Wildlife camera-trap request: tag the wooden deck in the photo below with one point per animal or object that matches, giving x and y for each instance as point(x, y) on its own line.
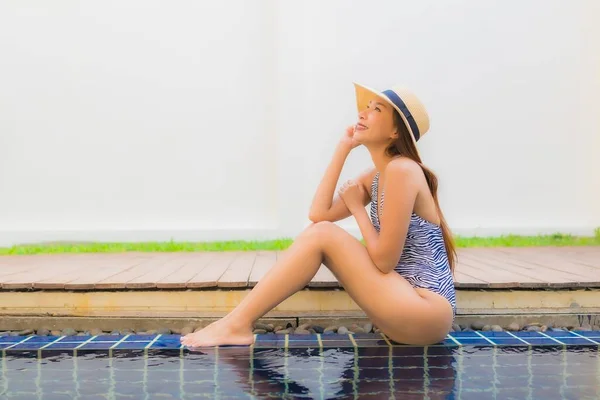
point(484, 268)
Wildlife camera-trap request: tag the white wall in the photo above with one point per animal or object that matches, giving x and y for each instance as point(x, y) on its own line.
point(198, 120)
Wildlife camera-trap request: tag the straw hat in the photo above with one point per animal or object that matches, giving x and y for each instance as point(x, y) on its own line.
point(409, 107)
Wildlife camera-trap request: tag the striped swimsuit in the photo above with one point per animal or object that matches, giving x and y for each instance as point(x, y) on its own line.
point(424, 262)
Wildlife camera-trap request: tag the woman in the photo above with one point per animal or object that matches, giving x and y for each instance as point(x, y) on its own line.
point(402, 278)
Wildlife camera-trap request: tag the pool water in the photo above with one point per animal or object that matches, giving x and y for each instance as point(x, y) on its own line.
point(468, 365)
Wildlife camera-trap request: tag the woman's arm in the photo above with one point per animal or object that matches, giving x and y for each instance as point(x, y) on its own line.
point(401, 187)
point(324, 206)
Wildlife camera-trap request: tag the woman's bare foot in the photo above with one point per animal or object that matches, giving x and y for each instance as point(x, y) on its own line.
point(219, 333)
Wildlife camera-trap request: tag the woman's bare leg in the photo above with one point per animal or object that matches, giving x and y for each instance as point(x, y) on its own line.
point(292, 272)
point(388, 299)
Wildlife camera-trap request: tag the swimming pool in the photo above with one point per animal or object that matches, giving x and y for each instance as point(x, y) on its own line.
point(467, 365)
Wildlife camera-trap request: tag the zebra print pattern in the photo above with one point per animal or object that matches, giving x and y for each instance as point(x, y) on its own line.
point(424, 262)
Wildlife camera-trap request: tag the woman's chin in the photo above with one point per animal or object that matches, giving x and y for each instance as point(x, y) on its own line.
point(360, 137)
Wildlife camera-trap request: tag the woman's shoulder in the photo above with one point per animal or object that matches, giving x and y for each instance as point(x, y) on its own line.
point(404, 167)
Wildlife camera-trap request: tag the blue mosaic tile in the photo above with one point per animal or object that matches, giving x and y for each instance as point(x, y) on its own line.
point(96, 346)
point(268, 338)
point(559, 334)
point(12, 339)
point(131, 345)
point(303, 338)
point(383, 351)
point(407, 351)
point(270, 344)
point(304, 343)
point(510, 341)
point(513, 368)
point(62, 345)
point(465, 335)
point(493, 335)
point(170, 338)
point(449, 342)
point(473, 341)
point(107, 338)
point(332, 341)
point(590, 334)
point(528, 334)
point(442, 350)
point(362, 336)
point(336, 343)
point(335, 336)
point(370, 342)
point(76, 339)
point(29, 345)
point(578, 341)
point(143, 338)
point(42, 339)
point(161, 340)
point(541, 341)
point(165, 345)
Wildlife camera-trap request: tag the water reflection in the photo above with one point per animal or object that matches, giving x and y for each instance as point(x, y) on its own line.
point(368, 372)
point(363, 372)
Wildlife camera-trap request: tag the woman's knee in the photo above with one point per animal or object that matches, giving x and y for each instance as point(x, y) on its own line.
point(319, 230)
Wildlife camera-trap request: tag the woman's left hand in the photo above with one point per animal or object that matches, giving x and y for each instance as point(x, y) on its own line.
point(353, 194)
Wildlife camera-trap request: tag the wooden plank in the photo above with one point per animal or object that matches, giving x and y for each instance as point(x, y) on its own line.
point(552, 266)
point(549, 261)
point(11, 262)
point(150, 262)
point(525, 275)
point(238, 272)
point(477, 268)
point(25, 275)
point(265, 260)
point(166, 267)
point(590, 260)
point(589, 256)
point(486, 273)
point(59, 270)
point(193, 264)
point(466, 281)
point(12, 265)
point(210, 275)
point(109, 266)
point(7, 270)
point(555, 265)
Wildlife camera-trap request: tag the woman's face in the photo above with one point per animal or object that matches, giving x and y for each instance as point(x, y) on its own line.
point(376, 124)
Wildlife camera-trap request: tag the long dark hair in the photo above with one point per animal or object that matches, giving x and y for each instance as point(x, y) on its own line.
point(405, 146)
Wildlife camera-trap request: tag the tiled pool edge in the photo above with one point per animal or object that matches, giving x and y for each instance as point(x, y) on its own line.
point(36, 345)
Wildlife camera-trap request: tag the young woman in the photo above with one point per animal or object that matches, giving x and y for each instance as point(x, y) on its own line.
point(402, 278)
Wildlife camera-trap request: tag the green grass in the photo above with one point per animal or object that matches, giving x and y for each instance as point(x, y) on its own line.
point(461, 242)
point(556, 239)
point(146, 247)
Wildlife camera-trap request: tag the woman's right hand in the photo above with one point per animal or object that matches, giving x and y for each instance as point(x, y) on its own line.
point(348, 140)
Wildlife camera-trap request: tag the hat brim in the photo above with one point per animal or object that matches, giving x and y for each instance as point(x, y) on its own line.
point(365, 94)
